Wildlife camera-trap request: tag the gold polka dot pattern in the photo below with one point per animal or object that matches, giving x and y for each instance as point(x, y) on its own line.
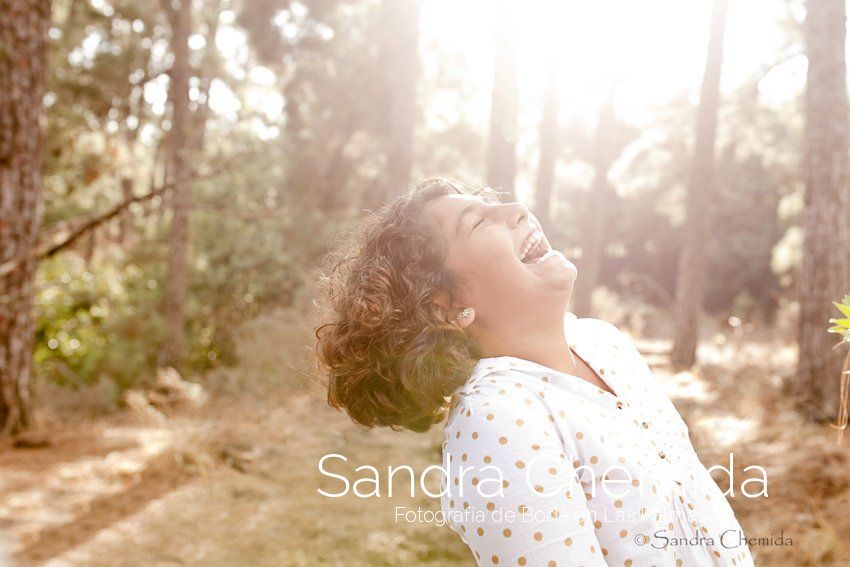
point(533, 441)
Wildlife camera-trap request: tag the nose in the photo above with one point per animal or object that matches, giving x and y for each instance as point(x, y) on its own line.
point(515, 213)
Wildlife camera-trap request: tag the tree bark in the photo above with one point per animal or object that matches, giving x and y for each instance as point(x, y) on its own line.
point(401, 56)
point(693, 256)
point(208, 70)
point(180, 17)
point(548, 146)
point(501, 155)
point(825, 273)
point(23, 77)
point(126, 219)
point(593, 230)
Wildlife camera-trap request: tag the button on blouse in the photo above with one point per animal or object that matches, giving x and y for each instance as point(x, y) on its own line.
point(545, 468)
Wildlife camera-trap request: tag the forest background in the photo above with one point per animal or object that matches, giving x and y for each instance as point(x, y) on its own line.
point(173, 172)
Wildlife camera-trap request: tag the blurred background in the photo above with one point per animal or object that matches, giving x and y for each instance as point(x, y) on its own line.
point(173, 172)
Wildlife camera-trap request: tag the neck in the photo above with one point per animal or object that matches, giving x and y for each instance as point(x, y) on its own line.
point(545, 342)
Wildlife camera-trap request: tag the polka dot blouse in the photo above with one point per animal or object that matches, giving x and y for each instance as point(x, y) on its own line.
point(545, 468)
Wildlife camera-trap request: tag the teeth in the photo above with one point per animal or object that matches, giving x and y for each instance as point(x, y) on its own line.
point(548, 254)
point(533, 240)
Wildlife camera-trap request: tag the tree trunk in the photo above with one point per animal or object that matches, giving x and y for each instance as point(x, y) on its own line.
point(180, 16)
point(594, 218)
point(501, 159)
point(401, 57)
point(126, 219)
point(209, 67)
point(548, 147)
point(23, 76)
point(825, 274)
point(692, 258)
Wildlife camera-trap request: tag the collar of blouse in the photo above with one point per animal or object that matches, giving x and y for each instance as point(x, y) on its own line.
point(600, 352)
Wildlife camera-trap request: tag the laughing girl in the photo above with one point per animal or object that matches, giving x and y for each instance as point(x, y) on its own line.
point(558, 437)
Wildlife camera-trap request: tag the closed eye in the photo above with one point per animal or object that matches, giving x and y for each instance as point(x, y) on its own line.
point(476, 224)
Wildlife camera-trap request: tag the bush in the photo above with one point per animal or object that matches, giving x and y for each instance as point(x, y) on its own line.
point(102, 319)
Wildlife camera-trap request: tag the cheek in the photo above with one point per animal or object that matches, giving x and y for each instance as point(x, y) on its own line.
point(492, 270)
point(484, 263)
point(492, 252)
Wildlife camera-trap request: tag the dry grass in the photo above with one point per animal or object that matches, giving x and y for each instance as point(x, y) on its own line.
point(234, 482)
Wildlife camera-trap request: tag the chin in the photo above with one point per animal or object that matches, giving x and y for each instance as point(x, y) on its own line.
point(562, 273)
point(561, 284)
point(572, 269)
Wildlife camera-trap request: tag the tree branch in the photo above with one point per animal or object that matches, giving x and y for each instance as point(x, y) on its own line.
point(92, 223)
point(48, 249)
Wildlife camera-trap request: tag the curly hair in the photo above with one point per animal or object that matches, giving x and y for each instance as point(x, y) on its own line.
point(389, 356)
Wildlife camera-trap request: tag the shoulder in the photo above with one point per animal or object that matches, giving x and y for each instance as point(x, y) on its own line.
point(594, 326)
point(499, 399)
point(599, 330)
point(508, 390)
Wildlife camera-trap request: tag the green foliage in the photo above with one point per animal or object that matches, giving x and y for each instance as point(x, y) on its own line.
point(755, 168)
point(102, 320)
point(96, 322)
point(243, 262)
point(101, 56)
point(305, 174)
point(841, 325)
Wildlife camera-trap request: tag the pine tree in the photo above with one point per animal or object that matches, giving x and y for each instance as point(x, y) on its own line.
point(501, 156)
point(180, 18)
point(23, 76)
point(693, 256)
point(548, 145)
point(825, 273)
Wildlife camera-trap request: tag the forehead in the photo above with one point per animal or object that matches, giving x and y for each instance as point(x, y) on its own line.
point(444, 210)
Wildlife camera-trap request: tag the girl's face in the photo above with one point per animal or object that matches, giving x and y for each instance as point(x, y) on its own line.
point(510, 273)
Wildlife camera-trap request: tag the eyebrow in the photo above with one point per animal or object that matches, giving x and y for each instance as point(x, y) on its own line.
point(466, 210)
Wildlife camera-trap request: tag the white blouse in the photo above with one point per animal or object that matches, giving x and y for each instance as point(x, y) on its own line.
point(545, 468)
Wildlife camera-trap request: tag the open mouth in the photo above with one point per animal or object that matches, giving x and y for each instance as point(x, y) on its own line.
point(534, 248)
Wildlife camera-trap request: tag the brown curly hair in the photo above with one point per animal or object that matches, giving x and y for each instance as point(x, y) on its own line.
point(389, 356)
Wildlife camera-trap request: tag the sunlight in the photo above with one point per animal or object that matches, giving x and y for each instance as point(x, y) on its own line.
point(649, 52)
point(643, 54)
point(223, 101)
point(72, 486)
point(727, 430)
point(248, 325)
point(688, 386)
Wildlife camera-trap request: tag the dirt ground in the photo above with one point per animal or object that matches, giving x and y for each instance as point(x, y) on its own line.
point(235, 481)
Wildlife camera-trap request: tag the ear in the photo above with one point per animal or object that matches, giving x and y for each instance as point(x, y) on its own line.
point(442, 301)
point(462, 316)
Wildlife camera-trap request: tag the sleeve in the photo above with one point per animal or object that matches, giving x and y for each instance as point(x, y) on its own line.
point(515, 498)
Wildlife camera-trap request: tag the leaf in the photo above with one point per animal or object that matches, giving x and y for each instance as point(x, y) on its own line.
point(841, 322)
point(844, 307)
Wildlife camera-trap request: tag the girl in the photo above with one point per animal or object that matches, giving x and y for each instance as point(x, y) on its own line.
point(560, 446)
